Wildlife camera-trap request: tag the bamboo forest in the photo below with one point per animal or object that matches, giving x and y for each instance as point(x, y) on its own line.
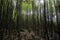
point(29, 19)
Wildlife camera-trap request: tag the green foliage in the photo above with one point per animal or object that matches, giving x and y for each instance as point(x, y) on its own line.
point(25, 5)
point(14, 15)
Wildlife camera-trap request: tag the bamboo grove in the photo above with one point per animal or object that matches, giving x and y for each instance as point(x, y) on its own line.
point(40, 16)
